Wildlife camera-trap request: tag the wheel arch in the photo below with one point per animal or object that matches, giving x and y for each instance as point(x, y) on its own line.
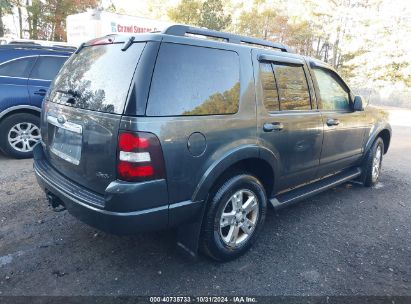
point(247, 159)
point(20, 109)
point(384, 132)
point(385, 135)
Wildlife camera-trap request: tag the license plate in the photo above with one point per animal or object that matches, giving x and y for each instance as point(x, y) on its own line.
point(66, 143)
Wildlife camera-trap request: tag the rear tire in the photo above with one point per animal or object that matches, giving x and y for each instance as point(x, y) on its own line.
point(372, 163)
point(234, 218)
point(19, 133)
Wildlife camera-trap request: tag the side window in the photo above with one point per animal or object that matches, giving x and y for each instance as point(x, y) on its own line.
point(334, 95)
point(190, 80)
point(270, 94)
point(47, 67)
point(292, 87)
point(17, 68)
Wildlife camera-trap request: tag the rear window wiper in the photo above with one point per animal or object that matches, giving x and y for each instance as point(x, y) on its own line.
point(128, 43)
point(73, 95)
point(80, 48)
point(69, 92)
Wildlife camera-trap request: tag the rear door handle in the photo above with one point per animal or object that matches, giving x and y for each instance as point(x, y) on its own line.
point(274, 126)
point(332, 122)
point(40, 92)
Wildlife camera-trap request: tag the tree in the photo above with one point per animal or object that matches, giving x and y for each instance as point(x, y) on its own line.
point(34, 18)
point(19, 4)
point(46, 19)
point(213, 15)
point(57, 12)
point(209, 14)
point(374, 54)
point(271, 22)
point(258, 22)
point(186, 12)
point(5, 9)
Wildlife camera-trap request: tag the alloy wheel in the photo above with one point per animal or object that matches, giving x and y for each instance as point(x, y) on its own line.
point(24, 136)
point(239, 218)
point(376, 163)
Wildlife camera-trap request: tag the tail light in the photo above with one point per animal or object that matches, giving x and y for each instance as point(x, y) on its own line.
point(140, 157)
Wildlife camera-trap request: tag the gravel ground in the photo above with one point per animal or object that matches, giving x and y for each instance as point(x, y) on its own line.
point(349, 240)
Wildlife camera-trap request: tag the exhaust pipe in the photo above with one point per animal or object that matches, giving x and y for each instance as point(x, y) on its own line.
point(56, 203)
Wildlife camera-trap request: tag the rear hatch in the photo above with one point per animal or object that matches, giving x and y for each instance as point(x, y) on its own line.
point(82, 112)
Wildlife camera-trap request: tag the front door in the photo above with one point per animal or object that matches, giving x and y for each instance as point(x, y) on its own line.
point(288, 121)
point(344, 128)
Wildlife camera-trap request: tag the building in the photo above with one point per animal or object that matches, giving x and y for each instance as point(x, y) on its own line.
point(96, 23)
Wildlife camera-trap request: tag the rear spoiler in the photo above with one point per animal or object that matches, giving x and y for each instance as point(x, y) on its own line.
point(108, 39)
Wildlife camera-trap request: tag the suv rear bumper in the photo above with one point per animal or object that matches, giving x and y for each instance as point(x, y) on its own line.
point(91, 208)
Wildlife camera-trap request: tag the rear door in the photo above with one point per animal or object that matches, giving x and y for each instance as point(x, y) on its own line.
point(288, 122)
point(13, 82)
point(344, 128)
point(80, 120)
point(43, 72)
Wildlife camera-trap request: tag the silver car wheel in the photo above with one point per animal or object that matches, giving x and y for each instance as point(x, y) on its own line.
point(239, 218)
point(376, 163)
point(24, 136)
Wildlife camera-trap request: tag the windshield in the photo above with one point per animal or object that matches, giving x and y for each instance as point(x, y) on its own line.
point(98, 78)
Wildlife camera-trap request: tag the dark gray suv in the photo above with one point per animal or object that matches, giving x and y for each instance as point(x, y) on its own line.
point(199, 130)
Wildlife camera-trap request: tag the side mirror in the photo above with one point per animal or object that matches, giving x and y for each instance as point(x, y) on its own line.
point(358, 103)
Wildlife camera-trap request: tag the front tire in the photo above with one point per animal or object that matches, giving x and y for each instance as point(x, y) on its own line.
point(372, 163)
point(19, 133)
point(234, 218)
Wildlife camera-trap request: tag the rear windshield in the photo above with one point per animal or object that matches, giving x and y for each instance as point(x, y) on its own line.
point(99, 77)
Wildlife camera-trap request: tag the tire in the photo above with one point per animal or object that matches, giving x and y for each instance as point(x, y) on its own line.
point(19, 133)
point(215, 242)
point(372, 163)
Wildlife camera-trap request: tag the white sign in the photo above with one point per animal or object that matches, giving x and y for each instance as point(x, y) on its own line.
point(92, 24)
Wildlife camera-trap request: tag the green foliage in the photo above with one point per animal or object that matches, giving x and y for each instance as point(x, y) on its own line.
point(35, 21)
point(187, 12)
point(5, 9)
point(213, 15)
point(46, 19)
point(394, 72)
point(56, 11)
point(272, 24)
point(258, 24)
point(209, 14)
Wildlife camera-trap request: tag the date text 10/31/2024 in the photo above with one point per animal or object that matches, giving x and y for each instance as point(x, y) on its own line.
point(205, 299)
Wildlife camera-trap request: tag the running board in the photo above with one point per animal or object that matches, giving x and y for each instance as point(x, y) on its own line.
point(293, 196)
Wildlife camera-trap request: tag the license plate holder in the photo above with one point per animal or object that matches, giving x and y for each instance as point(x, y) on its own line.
point(67, 141)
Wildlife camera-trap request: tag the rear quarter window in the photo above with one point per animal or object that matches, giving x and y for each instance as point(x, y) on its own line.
point(47, 67)
point(191, 80)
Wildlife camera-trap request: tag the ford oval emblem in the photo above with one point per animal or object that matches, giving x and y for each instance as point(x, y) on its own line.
point(61, 119)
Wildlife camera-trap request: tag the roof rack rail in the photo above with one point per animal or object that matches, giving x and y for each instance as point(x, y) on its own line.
point(183, 30)
point(37, 46)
